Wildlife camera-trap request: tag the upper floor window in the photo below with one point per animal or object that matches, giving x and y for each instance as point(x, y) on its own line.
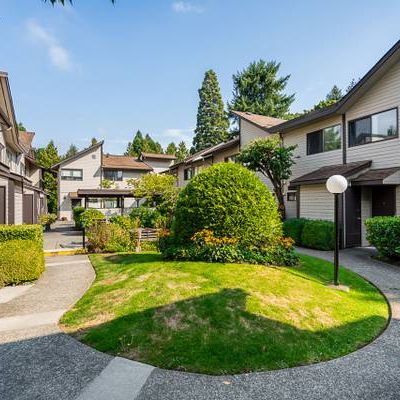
point(188, 174)
point(113, 175)
point(374, 128)
point(326, 139)
point(71, 174)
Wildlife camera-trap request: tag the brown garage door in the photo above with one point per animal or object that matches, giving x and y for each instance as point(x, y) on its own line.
point(2, 205)
point(28, 209)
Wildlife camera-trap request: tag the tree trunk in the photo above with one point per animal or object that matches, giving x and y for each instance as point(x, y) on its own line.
point(278, 193)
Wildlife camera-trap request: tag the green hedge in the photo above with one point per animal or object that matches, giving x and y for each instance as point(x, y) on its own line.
point(21, 253)
point(315, 234)
point(318, 234)
point(384, 234)
point(77, 213)
point(293, 227)
point(23, 232)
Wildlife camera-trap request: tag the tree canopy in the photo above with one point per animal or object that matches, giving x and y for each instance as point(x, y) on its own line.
point(212, 121)
point(71, 151)
point(171, 148)
point(259, 89)
point(142, 143)
point(269, 157)
point(182, 151)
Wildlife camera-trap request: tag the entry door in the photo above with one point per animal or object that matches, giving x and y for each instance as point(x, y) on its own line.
point(2, 205)
point(383, 201)
point(28, 209)
point(353, 216)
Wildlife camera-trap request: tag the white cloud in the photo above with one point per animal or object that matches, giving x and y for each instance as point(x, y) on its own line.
point(177, 135)
point(58, 55)
point(185, 7)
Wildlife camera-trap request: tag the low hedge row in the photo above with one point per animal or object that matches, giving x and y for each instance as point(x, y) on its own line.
point(21, 253)
point(384, 234)
point(315, 234)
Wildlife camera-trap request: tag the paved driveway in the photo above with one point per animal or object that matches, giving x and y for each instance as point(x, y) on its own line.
point(37, 361)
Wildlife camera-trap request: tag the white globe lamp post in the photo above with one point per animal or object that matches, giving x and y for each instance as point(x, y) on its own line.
point(336, 184)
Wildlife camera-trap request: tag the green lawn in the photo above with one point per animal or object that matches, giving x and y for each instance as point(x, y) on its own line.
point(223, 318)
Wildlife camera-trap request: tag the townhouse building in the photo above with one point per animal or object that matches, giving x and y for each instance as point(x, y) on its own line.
point(93, 179)
point(22, 198)
point(358, 137)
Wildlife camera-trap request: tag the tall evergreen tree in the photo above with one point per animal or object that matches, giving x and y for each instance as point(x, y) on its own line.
point(212, 121)
point(71, 151)
point(259, 90)
point(46, 157)
point(93, 141)
point(135, 147)
point(171, 148)
point(182, 151)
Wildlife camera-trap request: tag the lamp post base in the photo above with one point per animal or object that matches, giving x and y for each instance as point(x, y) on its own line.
point(342, 288)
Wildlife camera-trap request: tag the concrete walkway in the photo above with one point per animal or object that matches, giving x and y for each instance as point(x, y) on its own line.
point(63, 235)
point(39, 362)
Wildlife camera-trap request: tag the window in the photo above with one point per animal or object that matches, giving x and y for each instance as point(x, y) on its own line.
point(188, 174)
point(71, 174)
point(326, 139)
point(291, 196)
point(101, 203)
point(113, 175)
point(373, 128)
point(93, 156)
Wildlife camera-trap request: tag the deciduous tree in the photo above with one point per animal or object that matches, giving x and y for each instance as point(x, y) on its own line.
point(272, 159)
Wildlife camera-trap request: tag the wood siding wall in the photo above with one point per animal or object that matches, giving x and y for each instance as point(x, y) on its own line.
point(316, 202)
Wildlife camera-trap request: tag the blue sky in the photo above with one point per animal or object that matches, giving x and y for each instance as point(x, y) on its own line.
point(101, 70)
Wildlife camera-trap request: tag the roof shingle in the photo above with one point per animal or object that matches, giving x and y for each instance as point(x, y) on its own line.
point(124, 162)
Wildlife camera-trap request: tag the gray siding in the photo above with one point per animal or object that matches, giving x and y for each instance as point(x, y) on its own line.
point(316, 202)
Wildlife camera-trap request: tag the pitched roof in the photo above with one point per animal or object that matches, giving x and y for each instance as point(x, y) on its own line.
point(159, 156)
point(375, 73)
point(262, 121)
point(375, 176)
point(113, 161)
point(79, 154)
point(322, 174)
point(25, 140)
point(208, 151)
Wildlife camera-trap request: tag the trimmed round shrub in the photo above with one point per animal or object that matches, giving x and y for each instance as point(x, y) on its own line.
point(21, 260)
point(293, 227)
point(318, 234)
point(384, 234)
point(232, 202)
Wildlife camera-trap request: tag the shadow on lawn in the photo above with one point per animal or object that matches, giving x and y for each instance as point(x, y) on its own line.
point(215, 334)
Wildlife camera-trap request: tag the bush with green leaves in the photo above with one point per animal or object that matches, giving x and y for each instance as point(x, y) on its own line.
point(77, 213)
point(318, 234)
point(90, 216)
point(125, 221)
point(109, 238)
point(231, 201)
point(21, 253)
point(384, 234)
point(149, 217)
point(47, 219)
point(293, 227)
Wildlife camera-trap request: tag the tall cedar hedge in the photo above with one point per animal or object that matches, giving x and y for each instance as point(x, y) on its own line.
point(231, 201)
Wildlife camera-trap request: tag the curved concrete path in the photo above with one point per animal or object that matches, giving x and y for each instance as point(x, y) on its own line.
point(39, 362)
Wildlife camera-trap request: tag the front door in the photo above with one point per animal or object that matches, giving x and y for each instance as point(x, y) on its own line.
point(383, 201)
point(353, 216)
point(2, 205)
point(28, 209)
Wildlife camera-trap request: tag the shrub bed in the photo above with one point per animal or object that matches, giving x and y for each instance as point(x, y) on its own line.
point(21, 253)
point(90, 216)
point(384, 234)
point(318, 234)
point(109, 238)
point(293, 227)
point(315, 234)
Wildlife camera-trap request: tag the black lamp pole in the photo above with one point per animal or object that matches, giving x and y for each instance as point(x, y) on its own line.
point(337, 242)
